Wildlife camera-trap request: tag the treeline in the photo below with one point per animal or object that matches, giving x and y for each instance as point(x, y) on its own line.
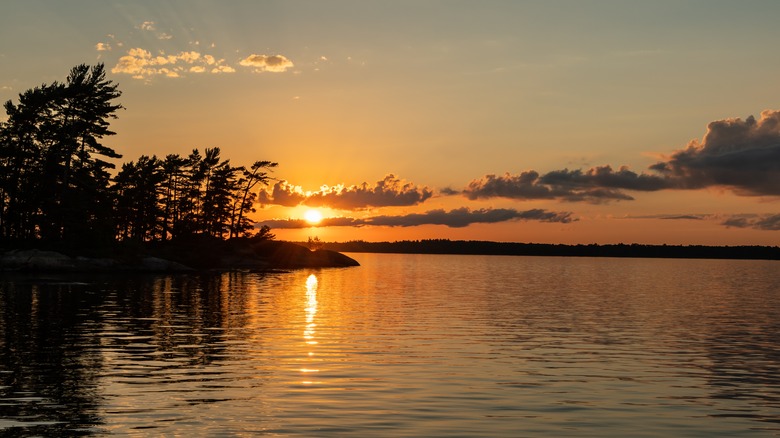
point(56, 183)
point(445, 246)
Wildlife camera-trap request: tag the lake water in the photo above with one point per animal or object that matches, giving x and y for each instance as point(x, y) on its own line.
point(405, 345)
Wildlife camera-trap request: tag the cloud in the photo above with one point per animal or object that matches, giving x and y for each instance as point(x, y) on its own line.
point(463, 217)
point(103, 47)
point(284, 194)
point(758, 222)
point(262, 63)
point(604, 177)
point(141, 64)
point(769, 222)
point(692, 217)
point(223, 69)
point(147, 25)
point(743, 155)
point(457, 218)
point(598, 184)
point(388, 192)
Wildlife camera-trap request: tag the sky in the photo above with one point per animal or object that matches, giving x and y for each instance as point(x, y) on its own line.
point(527, 121)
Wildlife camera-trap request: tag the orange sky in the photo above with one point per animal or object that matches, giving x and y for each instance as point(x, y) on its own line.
point(567, 121)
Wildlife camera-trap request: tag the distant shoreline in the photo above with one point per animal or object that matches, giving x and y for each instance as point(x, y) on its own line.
point(475, 247)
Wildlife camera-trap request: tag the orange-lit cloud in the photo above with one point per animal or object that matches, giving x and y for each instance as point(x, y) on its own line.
point(223, 69)
point(103, 47)
point(457, 218)
point(388, 192)
point(141, 64)
point(262, 63)
point(151, 26)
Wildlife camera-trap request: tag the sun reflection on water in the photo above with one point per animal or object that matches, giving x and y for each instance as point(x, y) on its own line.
point(310, 329)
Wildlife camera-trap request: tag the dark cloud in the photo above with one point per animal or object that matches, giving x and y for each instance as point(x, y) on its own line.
point(597, 184)
point(457, 218)
point(765, 222)
point(697, 217)
point(388, 192)
point(603, 177)
point(449, 191)
point(282, 193)
point(463, 217)
point(743, 155)
point(685, 217)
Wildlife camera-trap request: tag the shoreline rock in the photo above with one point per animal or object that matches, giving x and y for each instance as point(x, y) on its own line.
point(35, 260)
point(192, 257)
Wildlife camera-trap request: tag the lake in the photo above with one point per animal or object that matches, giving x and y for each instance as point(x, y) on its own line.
point(405, 345)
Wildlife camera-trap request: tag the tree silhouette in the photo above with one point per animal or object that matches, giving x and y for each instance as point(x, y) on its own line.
point(52, 151)
point(245, 198)
point(138, 211)
point(174, 194)
point(56, 185)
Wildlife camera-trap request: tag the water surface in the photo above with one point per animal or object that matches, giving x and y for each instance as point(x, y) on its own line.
point(405, 345)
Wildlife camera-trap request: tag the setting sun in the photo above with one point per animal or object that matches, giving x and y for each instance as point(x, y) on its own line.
point(313, 216)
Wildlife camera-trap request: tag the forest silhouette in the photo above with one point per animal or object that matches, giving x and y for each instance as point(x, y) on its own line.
point(57, 189)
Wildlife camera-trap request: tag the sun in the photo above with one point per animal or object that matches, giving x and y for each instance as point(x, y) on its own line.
point(313, 216)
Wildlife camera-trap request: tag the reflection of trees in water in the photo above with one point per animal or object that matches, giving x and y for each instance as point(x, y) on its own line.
point(182, 316)
point(49, 359)
point(57, 341)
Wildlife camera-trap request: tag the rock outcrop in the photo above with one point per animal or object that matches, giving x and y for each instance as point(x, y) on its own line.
point(34, 260)
point(290, 255)
point(201, 254)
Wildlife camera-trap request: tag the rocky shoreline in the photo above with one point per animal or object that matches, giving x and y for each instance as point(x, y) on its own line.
point(264, 256)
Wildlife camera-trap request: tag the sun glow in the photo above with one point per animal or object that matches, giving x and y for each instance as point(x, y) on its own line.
point(313, 216)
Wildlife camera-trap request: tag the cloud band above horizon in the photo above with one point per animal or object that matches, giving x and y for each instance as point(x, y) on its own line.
point(457, 218)
point(390, 191)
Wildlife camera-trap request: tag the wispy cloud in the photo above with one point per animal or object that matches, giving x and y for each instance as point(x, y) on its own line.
point(263, 63)
point(391, 191)
point(457, 218)
point(758, 222)
point(151, 26)
point(103, 47)
point(769, 222)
